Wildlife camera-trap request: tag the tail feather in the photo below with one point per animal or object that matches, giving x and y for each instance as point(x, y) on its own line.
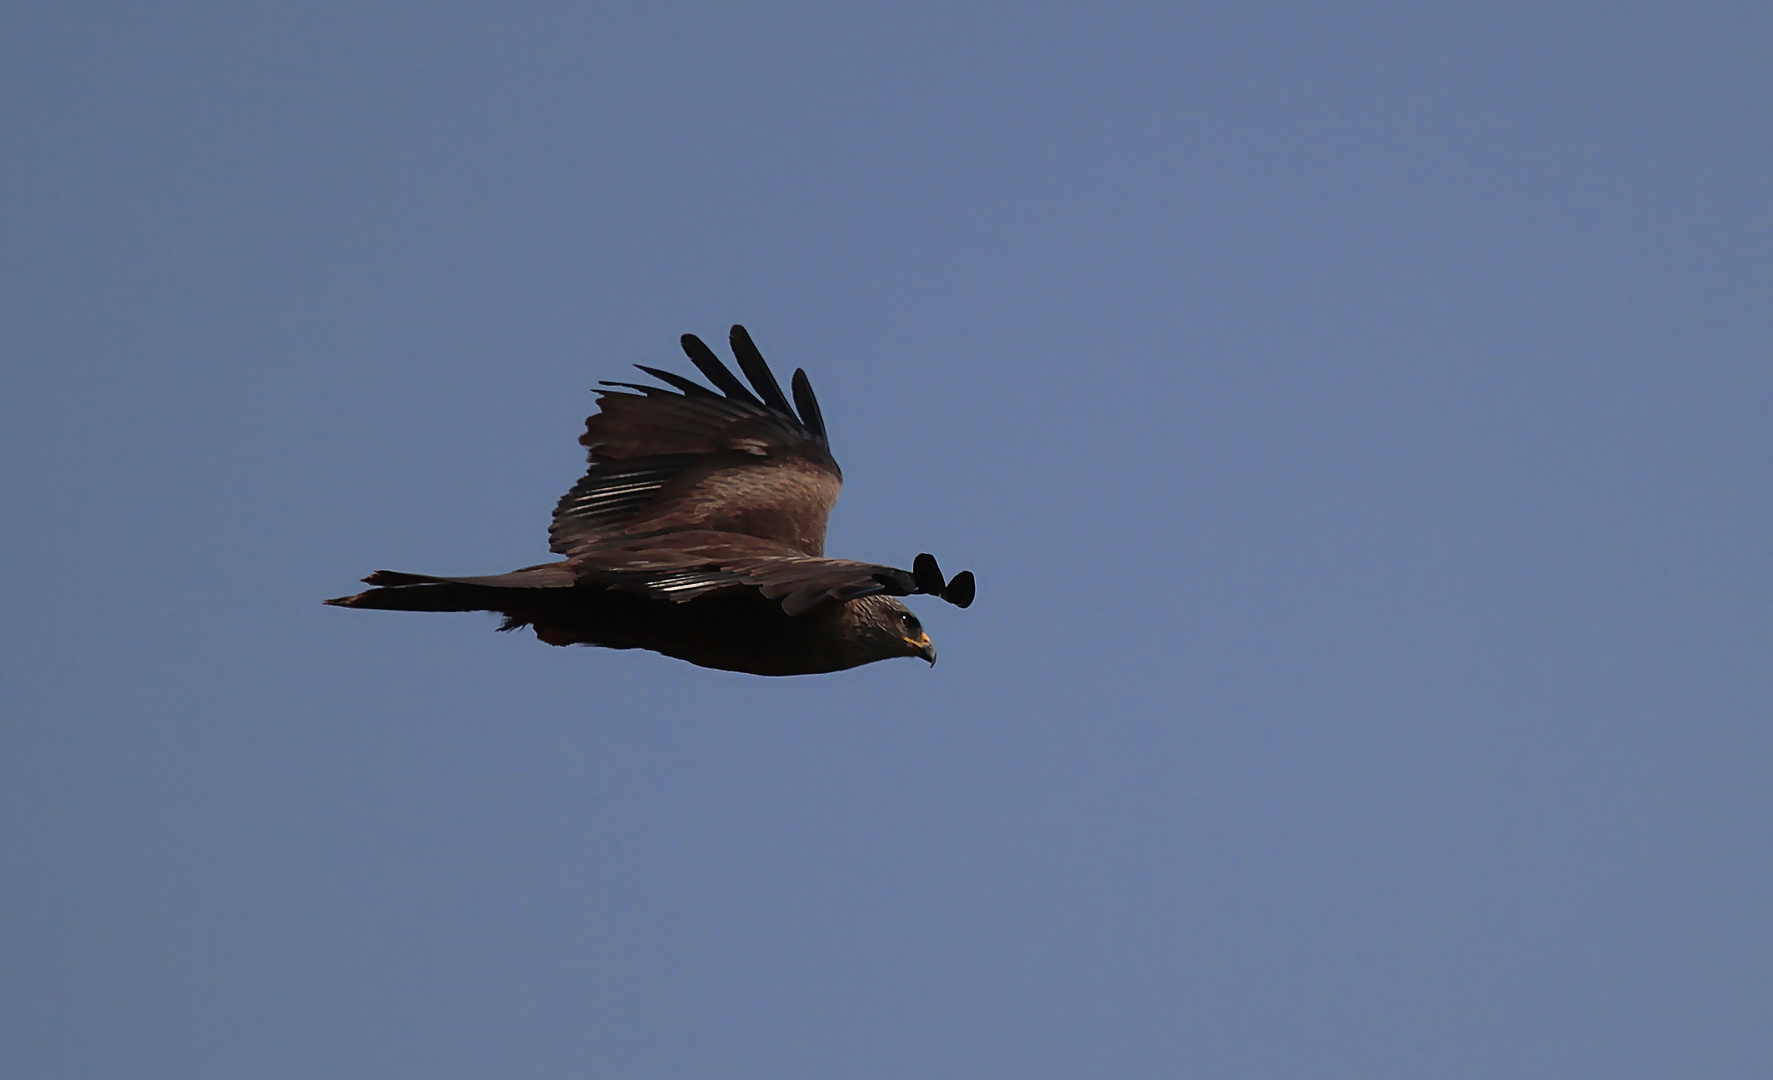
point(397, 591)
point(439, 596)
point(392, 578)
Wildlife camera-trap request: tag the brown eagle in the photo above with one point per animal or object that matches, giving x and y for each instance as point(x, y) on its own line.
point(699, 532)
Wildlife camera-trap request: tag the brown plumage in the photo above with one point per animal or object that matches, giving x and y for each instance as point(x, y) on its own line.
point(699, 532)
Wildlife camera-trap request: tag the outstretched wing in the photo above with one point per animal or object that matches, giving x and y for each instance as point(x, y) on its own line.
point(677, 567)
point(726, 460)
point(682, 566)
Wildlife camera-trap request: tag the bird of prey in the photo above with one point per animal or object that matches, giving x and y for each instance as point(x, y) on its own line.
point(699, 532)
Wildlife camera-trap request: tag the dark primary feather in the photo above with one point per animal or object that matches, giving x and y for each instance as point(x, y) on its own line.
point(751, 363)
point(809, 406)
point(961, 590)
point(927, 574)
point(689, 386)
point(709, 364)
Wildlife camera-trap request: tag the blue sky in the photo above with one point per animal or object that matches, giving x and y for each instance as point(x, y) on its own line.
point(1357, 420)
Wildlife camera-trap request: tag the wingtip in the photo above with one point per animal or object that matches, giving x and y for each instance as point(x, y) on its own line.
point(752, 363)
point(808, 405)
point(927, 574)
point(715, 371)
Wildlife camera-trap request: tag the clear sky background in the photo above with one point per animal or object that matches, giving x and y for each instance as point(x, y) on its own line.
point(1358, 421)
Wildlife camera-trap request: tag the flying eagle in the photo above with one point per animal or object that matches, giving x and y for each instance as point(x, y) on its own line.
point(699, 532)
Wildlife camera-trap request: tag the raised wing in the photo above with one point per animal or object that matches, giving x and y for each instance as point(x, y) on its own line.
point(726, 460)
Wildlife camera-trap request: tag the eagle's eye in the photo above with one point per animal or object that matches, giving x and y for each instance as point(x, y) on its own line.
point(911, 622)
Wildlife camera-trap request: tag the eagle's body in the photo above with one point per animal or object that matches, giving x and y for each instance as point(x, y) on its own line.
point(699, 533)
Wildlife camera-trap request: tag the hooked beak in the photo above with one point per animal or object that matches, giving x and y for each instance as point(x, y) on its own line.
point(924, 646)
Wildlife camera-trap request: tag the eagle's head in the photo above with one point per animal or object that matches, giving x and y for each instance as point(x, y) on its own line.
point(881, 628)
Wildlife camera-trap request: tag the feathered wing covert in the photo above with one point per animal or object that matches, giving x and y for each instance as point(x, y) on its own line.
point(687, 458)
point(694, 497)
